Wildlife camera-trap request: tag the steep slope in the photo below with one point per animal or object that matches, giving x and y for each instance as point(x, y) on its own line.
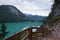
point(55, 13)
point(11, 14)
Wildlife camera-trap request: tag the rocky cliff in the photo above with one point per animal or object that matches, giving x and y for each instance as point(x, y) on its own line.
point(55, 13)
point(50, 30)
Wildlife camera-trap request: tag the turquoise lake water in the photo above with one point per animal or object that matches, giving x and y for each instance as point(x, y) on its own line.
point(14, 28)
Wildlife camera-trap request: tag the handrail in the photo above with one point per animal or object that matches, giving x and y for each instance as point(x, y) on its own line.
point(23, 35)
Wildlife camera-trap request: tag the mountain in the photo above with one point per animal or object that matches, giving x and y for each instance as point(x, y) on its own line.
point(10, 13)
point(35, 17)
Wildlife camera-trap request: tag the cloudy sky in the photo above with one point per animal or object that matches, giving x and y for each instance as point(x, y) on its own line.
point(34, 7)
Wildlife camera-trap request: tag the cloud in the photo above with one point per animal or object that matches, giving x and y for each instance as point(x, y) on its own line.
point(35, 7)
point(7, 2)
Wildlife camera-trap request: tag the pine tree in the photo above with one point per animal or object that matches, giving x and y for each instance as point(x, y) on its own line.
point(3, 31)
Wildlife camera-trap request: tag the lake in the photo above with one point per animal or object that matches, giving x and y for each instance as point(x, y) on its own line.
point(14, 28)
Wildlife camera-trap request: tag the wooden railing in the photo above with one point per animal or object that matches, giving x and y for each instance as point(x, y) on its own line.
point(23, 36)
